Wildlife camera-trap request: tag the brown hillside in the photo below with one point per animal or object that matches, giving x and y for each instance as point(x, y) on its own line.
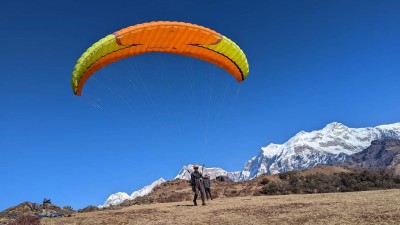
point(180, 190)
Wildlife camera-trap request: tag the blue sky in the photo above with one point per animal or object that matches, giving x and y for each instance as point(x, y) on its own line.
point(311, 63)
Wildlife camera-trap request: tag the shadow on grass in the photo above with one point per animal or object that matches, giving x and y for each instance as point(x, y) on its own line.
point(184, 205)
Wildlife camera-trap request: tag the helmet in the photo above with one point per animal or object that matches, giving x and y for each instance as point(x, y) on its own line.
point(195, 166)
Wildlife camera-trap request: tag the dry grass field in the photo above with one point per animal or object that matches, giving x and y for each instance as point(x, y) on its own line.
point(369, 207)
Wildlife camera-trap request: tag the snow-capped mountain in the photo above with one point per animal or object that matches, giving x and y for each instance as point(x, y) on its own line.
point(119, 197)
point(308, 149)
point(147, 189)
point(115, 199)
point(213, 172)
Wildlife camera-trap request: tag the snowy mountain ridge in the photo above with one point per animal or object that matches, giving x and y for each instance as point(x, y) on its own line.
point(119, 197)
point(308, 149)
point(213, 172)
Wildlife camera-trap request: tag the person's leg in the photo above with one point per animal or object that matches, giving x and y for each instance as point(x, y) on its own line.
point(207, 194)
point(196, 193)
point(202, 193)
point(194, 199)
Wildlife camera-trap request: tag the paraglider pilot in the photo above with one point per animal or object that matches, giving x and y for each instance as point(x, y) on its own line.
point(196, 180)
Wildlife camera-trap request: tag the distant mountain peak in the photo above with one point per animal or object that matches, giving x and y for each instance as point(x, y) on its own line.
point(119, 197)
point(147, 189)
point(335, 124)
point(213, 172)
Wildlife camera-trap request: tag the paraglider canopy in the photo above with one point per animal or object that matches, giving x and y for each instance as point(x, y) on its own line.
point(162, 36)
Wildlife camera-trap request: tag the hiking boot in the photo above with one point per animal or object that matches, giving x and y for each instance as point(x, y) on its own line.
point(195, 203)
point(203, 203)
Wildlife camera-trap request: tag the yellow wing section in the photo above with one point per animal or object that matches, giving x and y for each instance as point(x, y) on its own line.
point(231, 50)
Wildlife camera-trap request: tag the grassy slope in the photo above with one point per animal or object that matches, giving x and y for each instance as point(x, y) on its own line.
point(370, 207)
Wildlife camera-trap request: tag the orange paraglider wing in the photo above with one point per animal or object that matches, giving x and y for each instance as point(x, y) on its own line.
point(170, 37)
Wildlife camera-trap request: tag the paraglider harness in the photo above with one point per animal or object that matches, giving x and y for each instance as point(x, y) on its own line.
point(196, 180)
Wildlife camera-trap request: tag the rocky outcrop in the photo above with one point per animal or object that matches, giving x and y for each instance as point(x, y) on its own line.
point(34, 209)
point(381, 154)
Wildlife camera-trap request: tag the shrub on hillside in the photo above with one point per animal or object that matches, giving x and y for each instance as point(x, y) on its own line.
point(89, 208)
point(69, 208)
point(283, 176)
point(26, 220)
point(283, 187)
point(294, 179)
point(264, 181)
point(270, 189)
point(288, 175)
point(396, 179)
point(359, 180)
point(322, 183)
